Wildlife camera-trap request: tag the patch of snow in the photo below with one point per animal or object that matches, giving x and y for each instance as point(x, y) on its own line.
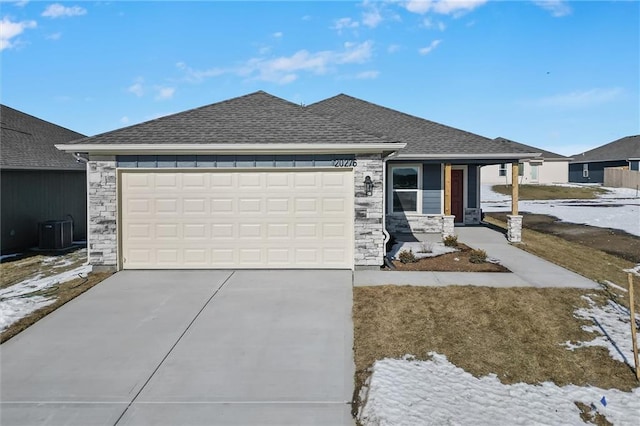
point(19, 300)
point(635, 270)
point(435, 392)
point(616, 286)
point(619, 208)
point(612, 324)
point(419, 248)
point(9, 256)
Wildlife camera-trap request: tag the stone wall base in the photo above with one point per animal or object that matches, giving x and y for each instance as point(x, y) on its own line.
point(419, 224)
point(514, 228)
point(448, 226)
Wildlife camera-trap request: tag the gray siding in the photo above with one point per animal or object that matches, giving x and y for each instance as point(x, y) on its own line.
point(472, 187)
point(227, 161)
point(33, 196)
point(596, 171)
point(431, 187)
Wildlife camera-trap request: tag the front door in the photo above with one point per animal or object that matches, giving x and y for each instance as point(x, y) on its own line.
point(457, 195)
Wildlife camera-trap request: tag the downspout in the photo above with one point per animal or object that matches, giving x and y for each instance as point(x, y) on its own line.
point(387, 236)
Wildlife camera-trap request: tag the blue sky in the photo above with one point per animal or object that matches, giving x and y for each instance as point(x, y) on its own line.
point(562, 76)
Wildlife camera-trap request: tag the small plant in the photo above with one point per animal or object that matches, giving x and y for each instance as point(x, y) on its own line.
point(478, 256)
point(407, 256)
point(450, 241)
point(425, 248)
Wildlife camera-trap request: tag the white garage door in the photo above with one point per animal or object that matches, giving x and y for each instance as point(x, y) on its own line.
point(233, 219)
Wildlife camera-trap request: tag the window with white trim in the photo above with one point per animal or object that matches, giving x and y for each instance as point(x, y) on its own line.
point(406, 189)
point(585, 170)
point(503, 169)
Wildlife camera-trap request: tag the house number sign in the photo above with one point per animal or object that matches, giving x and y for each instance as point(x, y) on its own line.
point(344, 162)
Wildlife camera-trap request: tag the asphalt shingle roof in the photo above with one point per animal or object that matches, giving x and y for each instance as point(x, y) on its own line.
point(422, 136)
point(254, 118)
point(27, 142)
point(528, 148)
point(621, 149)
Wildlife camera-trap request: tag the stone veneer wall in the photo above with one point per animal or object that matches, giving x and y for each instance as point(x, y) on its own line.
point(103, 211)
point(405, 224)
point(368, 226)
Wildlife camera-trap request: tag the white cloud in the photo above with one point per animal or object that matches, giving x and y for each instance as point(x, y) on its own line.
point(430, 24)
point(21, 3)
point(59, 11)
point(443, 7)
point(124, 120)
point(393, 48)
point(277, 35)
point(196, 76)
point(53, 36)
point(371, 17)
point(9, 30)
point(429, 49)
point(344, 23)
point(136, 88)
point(581, 98)
point(558, 8)
point(165, 93)
point(368, 75)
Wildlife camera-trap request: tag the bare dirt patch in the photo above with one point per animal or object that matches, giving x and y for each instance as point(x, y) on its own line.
point(516, 333)
point(450, 262)
point(613, 241)
point(552, 192)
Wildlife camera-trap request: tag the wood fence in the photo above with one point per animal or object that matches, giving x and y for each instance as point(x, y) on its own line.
point(620, 178)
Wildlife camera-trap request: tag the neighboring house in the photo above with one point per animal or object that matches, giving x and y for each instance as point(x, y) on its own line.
point(548, 168)
point(260, 182)
point(589, 166)
point(38, 182)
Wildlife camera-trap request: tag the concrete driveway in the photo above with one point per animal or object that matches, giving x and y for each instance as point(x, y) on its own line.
point(189, 348)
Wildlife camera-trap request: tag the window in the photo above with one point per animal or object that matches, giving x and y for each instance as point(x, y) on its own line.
point(503, 169)
point(520, 169)
point(585, 170)
point(405, 189)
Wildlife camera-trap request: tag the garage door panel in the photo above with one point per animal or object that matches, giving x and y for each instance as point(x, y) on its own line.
point(230, 219)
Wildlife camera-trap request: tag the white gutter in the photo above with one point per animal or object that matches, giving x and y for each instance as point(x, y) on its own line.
point(284, 148)
point(479, 156)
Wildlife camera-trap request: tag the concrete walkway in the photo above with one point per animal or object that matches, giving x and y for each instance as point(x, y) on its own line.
point(527, 270)
point(188, 348)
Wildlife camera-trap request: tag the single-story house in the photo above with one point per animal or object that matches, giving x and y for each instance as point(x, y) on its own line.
point(588, 167)
point(38, 182)
point(260, 182)
point(548, 168)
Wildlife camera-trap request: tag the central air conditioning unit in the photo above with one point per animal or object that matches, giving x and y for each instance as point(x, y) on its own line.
point(55, 234)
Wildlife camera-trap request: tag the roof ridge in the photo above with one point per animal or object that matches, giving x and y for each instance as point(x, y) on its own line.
point(402, 113)
point(49, 123)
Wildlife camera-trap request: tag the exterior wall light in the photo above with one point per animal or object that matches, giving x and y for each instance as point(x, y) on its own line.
point(368, 186)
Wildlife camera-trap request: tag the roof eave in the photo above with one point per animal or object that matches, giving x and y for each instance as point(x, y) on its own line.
point(247, 149)
point(478, 156)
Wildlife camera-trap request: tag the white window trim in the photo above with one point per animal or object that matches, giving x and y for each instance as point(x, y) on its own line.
point(585, 170)
point(418, 166)
point(502, 170)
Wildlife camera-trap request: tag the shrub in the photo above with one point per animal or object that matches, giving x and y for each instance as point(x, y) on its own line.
point(450, 241)
point(478, 256)
point(407, 256)
point(425, 248)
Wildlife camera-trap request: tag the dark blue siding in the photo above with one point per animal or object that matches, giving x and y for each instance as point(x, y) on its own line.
point(472, 187)
point(431, 186)
point(596, 171)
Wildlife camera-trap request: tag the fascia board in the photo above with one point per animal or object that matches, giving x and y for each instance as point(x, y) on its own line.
point(245, 149)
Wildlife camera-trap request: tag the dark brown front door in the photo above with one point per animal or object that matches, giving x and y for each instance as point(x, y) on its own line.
point(457, 195)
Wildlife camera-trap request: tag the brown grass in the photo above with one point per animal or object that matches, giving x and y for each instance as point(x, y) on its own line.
point(15, 270)
point(591, 263)
point(63, 293)
point(551, 192)
point(516, 333)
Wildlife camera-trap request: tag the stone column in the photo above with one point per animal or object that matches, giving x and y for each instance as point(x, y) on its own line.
point(103, 212)
point(448, 227)
point(369, 238)
point(514, 228)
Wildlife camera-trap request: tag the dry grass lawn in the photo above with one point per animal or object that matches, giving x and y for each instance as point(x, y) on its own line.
point(516, 333)
point(550, 192)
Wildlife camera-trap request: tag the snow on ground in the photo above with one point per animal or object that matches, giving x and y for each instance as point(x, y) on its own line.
point(612, 324)
point(19, 300)
point(420, 249)
point(434, 392)
point(619, 208)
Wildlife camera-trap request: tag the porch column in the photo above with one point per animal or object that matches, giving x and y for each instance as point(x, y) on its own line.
point(514, 221)
point(447, 189)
